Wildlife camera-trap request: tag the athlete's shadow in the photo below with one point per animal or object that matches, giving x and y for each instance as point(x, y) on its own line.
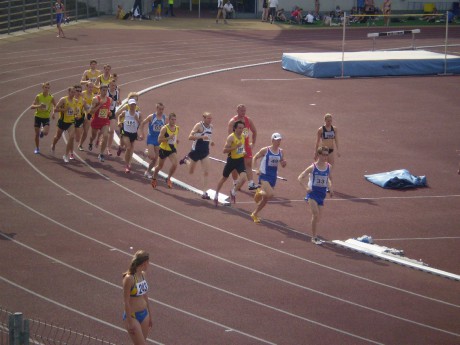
point(353, 198)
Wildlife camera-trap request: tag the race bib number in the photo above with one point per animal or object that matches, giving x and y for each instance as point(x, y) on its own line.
point(246, 132)
point(273, 161)
point(320, 181)
point(240, 150)
point(172, 141)
point(157, 127)
point(329, 135)
point(142, 287)
point(103, 113)
point(70, 111)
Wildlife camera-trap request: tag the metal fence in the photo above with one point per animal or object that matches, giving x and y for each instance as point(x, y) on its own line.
point(17, 15)
point(14, 330)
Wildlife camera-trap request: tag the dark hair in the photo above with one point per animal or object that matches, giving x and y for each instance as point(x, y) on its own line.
point(237, 123)
point(138, 259)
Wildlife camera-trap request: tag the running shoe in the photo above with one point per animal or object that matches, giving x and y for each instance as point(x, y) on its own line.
point(90, 147)
point(253, 186)
point(37, 151)
point(109, 153)
point(65, 158)
point(257, 196)
point(127, 169)
point(317, 241)
point(255, 218)
point(169, 183)
point(80, 148)
point(154, 183)
point(101, 157)
point(216, 201)
point(119, 151)
point(205, 196)
point(148, 175)
point(182, 161)
point(71, 156)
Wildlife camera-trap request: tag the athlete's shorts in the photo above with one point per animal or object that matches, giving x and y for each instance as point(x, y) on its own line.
point(98, 123)
point(234, 164)
point(132, 136)
point(59, 18)
point(138, 315)
point(64, 125)
point(39, 122)
point(164, 153)
point(79, 122)
point(153, 139)
point(270, 179)
point(198, 155)
point(317, 196)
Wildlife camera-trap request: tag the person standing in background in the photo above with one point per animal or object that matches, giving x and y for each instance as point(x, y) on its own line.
point(60, 15)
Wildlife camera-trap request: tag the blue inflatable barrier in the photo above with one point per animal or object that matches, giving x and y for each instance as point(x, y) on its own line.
point(397, 179)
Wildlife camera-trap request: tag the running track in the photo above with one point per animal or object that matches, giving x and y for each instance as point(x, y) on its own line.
point(216, 277)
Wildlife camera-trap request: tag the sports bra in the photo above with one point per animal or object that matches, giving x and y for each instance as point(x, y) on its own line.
point(139, 288)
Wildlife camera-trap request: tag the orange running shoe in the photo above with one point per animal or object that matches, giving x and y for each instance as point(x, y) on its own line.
point(154, 183)
point(169, 183)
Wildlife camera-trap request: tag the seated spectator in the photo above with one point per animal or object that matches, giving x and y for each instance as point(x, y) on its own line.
point(227, 10)
point(309, 19)
point(280, 16)
point(121, 13)
point(431, 18)
point(296, 15)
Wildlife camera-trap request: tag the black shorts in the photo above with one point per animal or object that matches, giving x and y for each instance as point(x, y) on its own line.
point(164, 154)
point(64, 125)
point(79, 122)
point(234, 164)
point(198, 155)
point(39, 122)
point(132, 136)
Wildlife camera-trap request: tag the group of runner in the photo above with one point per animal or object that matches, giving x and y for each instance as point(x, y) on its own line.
point(97, 111)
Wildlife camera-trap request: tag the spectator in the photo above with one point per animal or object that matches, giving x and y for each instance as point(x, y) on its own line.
point(264, 10)
point(272, 10)
point(309, 18)
point(280, 16)
point(228, 11)
point(296, 15)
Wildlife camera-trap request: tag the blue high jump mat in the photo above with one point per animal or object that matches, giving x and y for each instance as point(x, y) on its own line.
point(370, 63)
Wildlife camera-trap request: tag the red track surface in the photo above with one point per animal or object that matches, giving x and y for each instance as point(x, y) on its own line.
point(216, 277)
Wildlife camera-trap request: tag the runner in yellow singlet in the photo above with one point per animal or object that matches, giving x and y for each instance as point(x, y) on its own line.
point(91, 74)
point(104, 78)
point(44, 105)
point(87, 95)
point(235, 148)
point(168, 148)
point(67, 108)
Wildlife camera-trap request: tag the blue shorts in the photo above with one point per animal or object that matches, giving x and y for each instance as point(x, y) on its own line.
point(138, 315)
point(317, 196)
point(153, 140)
point(59, 18)
point(270, 179)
